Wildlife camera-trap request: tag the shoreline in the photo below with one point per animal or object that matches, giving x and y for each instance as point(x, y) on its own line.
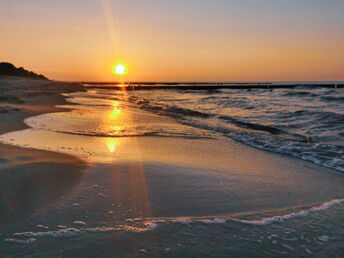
point(43, 98)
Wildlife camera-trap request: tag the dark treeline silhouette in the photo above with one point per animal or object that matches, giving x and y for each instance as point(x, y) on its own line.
point(11, 70)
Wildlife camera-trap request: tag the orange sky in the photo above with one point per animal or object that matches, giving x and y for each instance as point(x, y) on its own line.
point(175, 41)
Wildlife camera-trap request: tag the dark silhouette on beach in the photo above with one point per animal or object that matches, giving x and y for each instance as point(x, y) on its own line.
point(10, 70)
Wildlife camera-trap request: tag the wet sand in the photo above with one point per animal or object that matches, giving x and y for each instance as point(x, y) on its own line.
point(144, 196)
point(31, 179)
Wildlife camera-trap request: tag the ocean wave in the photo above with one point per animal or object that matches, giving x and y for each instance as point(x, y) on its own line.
point(300, 94)
point(171, 109)
point(333, 98)
point(151, 224)
point(322, 154)
point(309, 133)
point(277, 140)
point(298, 146)
point(258, 127)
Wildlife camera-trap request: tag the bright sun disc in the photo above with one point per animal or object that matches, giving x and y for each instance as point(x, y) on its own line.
point(119, 69)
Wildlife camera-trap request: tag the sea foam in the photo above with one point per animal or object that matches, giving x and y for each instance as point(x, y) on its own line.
point(281, 218)
point(152, 224)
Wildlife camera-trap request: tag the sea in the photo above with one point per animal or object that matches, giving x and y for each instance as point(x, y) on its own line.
point(182, 202)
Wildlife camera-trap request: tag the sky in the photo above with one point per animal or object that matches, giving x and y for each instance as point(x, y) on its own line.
point(175, 40)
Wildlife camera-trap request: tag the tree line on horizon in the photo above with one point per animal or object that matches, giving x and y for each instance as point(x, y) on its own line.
point(9, 69)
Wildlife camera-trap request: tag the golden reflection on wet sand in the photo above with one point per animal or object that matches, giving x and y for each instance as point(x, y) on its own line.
point(139, 193)
point(111, 144)
point(117, 121)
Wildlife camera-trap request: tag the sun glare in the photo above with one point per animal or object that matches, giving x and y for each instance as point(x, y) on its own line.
point(116, 111)
point(112, 144)
point(119, 69)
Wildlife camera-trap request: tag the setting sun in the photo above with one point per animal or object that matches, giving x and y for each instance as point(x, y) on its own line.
point(119, 69)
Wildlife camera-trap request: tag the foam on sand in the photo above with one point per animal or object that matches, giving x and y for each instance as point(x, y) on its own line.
point(66, 232)
point(152, 224)
point(71, 232)
point(281, 218)
point(261, 222)
point(149, 226)
point(20, 241)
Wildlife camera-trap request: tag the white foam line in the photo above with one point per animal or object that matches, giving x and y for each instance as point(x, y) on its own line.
point(152, 224)
point(181, 220)
point(207, 221)
point(66, 232)
point(70, 232)
point(20, 241)
point(302, 213)
point(101, 229)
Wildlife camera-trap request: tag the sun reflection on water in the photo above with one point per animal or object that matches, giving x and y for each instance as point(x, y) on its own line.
point(116, 111)
point(111, 144)
point(120, 124)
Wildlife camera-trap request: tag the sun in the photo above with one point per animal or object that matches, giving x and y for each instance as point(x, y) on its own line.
point(119, 69)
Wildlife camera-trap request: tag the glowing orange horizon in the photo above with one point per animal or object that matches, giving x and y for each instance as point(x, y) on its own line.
point(197, 48)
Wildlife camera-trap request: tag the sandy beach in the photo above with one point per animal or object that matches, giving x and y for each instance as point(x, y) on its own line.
point(67, 192)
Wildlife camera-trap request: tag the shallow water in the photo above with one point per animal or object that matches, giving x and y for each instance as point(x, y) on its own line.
point(307, 123)
point(165, 179)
